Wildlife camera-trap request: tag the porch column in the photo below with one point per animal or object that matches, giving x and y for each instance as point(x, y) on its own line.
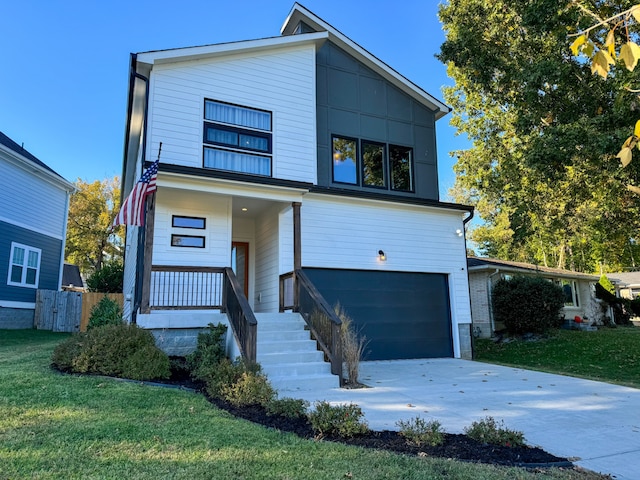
point(297, 246)
point(297, 253)
point(149, 222)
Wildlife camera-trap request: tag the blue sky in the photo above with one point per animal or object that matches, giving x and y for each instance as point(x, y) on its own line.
point(63, 85)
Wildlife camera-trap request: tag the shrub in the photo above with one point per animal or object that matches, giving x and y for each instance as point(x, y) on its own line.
point(105, 312)
point(209, 352)
point(622, 307)
point(488, 430)
point(353, 345)
point(527, 304)
point(122, 350)
point(225, 374)
point(66, 352)
point(252, 388)
point(419, 432)
point(287, 407)
point(344, 420)
point(108, 279)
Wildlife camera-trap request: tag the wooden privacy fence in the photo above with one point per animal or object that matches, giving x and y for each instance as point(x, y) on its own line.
point(67, 311)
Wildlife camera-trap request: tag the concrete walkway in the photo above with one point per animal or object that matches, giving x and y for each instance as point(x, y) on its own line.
point(595, 424)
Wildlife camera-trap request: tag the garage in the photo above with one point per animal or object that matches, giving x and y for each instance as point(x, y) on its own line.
point(402, 314)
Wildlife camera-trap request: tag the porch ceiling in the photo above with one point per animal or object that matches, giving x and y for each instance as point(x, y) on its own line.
point(254, 206)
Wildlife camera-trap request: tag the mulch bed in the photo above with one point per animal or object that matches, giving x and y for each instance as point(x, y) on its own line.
point(455, 446)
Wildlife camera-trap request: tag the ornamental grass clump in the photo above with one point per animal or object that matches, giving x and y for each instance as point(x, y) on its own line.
point(488, 430)
point(344, 420)
point(353, 345)
point(420, 432)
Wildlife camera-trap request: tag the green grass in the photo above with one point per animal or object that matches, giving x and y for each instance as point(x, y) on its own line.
point(55, 426)
point(610, 354)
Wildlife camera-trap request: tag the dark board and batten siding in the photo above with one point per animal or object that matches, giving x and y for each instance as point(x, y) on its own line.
point(354, 101)
point(49, 263)
point(402, 314)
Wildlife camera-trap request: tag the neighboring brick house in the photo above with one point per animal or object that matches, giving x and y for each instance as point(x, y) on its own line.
point(485, 272)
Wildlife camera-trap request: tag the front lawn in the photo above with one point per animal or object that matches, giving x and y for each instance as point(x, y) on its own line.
point(64, 426)
point(610, 354)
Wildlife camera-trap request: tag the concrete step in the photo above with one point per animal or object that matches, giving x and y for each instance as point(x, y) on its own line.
point(282, 336)
point(289, 346)
point(290, 357)
point(297, 369)
point(287, 386)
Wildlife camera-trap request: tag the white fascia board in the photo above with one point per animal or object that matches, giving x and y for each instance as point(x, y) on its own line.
point(299, 13)
point(230, 187)
point(35, 169)
point(232, 48)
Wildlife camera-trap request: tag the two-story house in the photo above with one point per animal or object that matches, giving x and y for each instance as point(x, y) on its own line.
point(299, 153)
point(34, 203)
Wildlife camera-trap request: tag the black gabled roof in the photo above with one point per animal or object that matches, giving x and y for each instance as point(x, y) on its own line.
point(71, 275)
point(7, 142)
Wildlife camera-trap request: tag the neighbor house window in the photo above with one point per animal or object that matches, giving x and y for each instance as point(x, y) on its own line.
point(237, 138)
point(401, 165)
point(24, 266)
point(345, 160)
point(570, 290)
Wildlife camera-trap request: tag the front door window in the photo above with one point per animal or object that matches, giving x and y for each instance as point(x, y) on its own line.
point(240, 264)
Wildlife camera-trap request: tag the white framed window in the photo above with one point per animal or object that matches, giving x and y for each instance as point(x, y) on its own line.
point(570, 289)
point(24, 266)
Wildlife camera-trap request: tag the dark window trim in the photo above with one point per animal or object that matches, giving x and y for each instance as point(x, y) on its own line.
point(246, 152)
point(385, 169)
point(240, 106)
point(412, 166)
point(356, 141)
point(240, 131)
point(174, 235)
point(173, 222)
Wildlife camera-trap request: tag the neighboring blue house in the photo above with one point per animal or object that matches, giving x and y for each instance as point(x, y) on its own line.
point(307, 166)
point(34, 203)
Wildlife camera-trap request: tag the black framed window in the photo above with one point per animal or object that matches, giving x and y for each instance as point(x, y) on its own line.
point(237, 138)
point(401, 166)
point(192, 241)
point(345, 160)
point(180, 221)
point(373, 174)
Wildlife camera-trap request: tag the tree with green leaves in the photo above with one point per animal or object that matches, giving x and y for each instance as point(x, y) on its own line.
point(541, 170)
point(90, 239)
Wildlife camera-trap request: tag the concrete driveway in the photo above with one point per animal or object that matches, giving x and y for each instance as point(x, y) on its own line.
point(595, 424)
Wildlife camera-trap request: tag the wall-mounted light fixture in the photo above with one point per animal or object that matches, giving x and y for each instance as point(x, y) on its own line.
point(459, 232)
point(381, 256)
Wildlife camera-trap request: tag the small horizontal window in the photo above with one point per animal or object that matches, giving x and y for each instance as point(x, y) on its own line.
point(188, 222)
point(237, 138)
point(192, 241)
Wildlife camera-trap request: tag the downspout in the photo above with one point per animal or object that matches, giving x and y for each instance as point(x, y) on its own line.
point(464, 232)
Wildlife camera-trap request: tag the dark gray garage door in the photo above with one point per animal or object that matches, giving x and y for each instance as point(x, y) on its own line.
point(403, 315)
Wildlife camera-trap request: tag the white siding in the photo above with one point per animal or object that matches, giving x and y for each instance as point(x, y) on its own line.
point(28, 201)
point(348, 233)
point(281, 81)
point(267, 261)
point(215, 209)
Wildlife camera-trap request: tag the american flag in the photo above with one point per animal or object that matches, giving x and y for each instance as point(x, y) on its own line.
point(132, 210)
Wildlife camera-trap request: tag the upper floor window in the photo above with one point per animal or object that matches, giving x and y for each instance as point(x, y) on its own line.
point(369, 163)
point(237, 139)
point(24, 266)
